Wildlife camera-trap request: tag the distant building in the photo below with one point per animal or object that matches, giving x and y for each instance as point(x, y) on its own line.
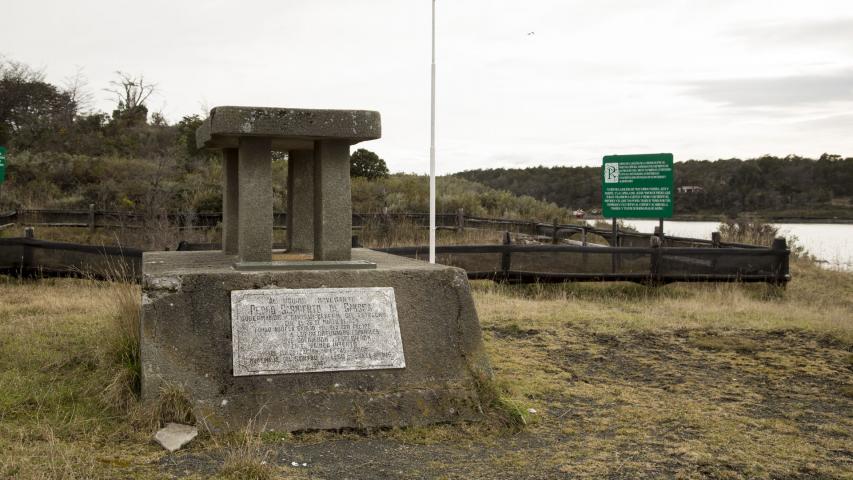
point(690, 189)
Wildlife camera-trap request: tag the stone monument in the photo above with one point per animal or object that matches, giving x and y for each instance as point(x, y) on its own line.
point(322, 335)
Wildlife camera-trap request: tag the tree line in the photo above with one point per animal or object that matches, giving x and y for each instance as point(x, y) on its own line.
point(63, 154)
point(790, 186)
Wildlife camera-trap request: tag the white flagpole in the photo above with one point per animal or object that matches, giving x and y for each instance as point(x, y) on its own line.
point(432, 149)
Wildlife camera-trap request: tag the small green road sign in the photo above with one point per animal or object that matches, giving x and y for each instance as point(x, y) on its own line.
point(637, 186)
point(2, 164)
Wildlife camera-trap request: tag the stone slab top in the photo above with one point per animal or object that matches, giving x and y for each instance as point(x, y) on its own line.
point(288, 128)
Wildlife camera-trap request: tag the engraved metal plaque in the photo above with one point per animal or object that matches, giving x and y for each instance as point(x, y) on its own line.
point(314, 330)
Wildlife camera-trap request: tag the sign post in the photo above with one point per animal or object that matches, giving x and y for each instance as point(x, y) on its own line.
point(636, 186)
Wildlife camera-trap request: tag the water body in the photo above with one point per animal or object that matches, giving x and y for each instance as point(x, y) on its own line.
point(829, 242)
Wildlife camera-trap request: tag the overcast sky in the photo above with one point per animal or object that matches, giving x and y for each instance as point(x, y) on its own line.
point(520, 83)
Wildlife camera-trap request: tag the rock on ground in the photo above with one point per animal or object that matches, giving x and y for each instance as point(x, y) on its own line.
point(175, 436)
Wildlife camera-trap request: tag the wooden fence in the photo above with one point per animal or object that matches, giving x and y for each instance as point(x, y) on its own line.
point(653, 264)
point(29, 257)
point(459, 221)
point(507, 262)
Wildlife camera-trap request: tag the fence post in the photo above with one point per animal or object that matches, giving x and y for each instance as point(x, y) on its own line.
point(615, 243)
point(460, 220)
point(780, 245)
point(91, 218)
point(715, 239)
point(27, 258)
point(715, 243)
point(654, 267)
point(555, 239)
point(506, 256)
point(385, 227)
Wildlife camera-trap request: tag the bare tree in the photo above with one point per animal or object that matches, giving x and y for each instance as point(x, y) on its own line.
point(77, 98)
point(77, 88)
point(18, 71)
point(131, 91)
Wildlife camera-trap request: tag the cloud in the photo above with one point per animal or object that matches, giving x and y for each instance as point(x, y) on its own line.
point(836, 31)
point(843, 122)
point(796, 90)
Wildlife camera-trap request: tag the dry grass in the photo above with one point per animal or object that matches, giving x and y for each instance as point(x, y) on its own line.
point(122, 345)
point(53, 370)
point(246, 456)
point(690, 381)
point(173, 405)
point(817, 300)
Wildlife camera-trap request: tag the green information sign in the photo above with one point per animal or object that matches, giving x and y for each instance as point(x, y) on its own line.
point(2, 164)
point(637, 186)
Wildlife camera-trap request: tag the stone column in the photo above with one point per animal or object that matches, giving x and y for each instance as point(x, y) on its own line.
point(230, 222)
point(300, 201)
point(332, 201)
point(254, 197)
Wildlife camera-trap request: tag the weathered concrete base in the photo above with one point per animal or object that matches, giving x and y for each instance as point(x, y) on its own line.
point(186, 340)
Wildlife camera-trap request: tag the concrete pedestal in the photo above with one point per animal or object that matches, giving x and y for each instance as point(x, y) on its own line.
point(332, 201)
point(300, 201)
point(254, 200)
point(319, 204)
point(230, 211)
point(186, 340)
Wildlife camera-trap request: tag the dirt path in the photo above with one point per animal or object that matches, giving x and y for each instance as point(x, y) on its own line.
point(689, 404)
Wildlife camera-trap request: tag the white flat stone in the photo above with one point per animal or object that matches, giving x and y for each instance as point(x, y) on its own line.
point(175, 435)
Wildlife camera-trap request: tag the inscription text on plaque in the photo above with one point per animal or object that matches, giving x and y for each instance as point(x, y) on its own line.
point(314, 330)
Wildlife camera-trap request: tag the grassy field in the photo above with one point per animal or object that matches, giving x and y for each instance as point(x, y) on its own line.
point(615, 381)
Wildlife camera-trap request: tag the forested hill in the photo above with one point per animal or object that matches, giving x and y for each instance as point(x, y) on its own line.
point(771, 187)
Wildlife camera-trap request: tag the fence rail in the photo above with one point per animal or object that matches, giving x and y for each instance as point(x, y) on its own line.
point(506, 262)
point(650, 265)
point(628, 256)
point(34, 257)
point(459, 221)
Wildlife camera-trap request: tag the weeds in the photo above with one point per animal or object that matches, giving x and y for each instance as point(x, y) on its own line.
point(748, 232)
point(122, 339)
point(246, 457)
point(759, 233)
point(174, 405)
point(496, 403)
